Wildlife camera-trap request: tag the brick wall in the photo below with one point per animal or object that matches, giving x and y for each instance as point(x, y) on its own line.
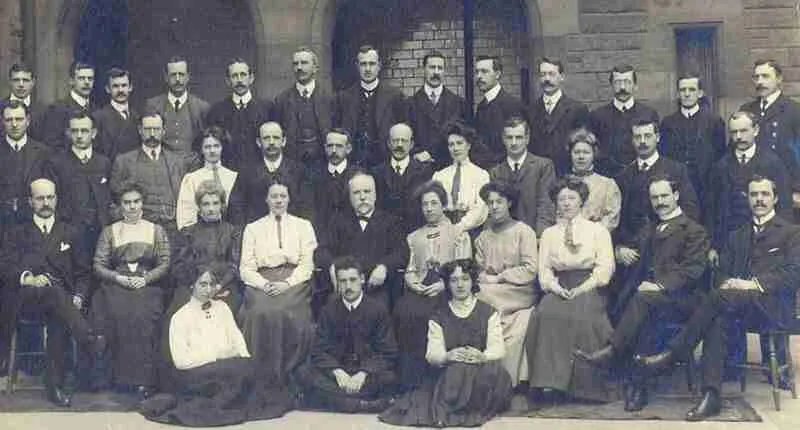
point(10, 39)
point(772, 28)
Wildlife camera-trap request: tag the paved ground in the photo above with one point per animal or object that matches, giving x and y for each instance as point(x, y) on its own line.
point(758, 395)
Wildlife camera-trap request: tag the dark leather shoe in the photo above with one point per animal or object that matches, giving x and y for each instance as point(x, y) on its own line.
point(375, 406)
point(600, 358)
point(144, 392)
point(58, 397)
point(637, 399)
point(654, 364)
point(709, 406)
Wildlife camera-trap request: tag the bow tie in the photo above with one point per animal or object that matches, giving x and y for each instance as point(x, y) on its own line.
point(206, 306)
point(363, 218)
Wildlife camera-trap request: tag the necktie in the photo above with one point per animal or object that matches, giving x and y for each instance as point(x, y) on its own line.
point(84, 159)
point(663, 226)
point(397, 169)
point(516, 167)
point(548, 106)
point(433, 98)
point(217, 180)
point(763, 106)
point(306, 95)
point(240, 105)
point(456, 189)
point(758, 228)
point(280, 234)
point(44, 229)
point(177, 105)
point(206, 306)
point(16, 147)
point(363, 221)
point(153, 155)
point(643, 167)
point(124, 114)
point(569, 237)
point(335, 173)
point(743, 159)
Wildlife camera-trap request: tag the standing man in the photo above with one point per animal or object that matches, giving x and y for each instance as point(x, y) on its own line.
point(368, 109)
point(430, 110)
point(693, 135)
point(494, 109)
point(23, 161)
point(398, 177)
point(183, 114)
point(117, 123)
point(329, 183)
point(305, 111)
point(553, 116)
point(156, 169)
point(22, 81)
point(531, 176)
point(240, 114)
point(612, 122)
point(55, 119)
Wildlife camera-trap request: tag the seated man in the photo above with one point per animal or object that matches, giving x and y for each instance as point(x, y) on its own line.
point(670, 258)
point(44, 274)
point(759, 269)
point(351, 368)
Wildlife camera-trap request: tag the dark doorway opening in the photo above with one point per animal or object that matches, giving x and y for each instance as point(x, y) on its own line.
point(697, 51)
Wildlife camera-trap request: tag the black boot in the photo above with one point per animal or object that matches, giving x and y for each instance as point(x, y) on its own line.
point(709, 406)
point(58, 397)
point(600, 358)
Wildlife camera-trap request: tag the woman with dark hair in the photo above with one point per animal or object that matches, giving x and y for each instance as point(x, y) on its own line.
point(465, 344)
point(506, 253)
point(211, 366)
point(131, 261)
point(576, 259)
point(605, 199)
point(430, 246)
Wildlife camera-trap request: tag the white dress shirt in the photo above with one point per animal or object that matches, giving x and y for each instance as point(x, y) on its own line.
point(243, 99)
point(79, 99)
point(273, 165)
point(550, 102)
point(182, 99)
point(688, 113)
point(513, 163)
point(26, 101)
point(649, 161)
point(401, 164)
point(492, 93)
point(186, 212)
point(261, 248)
point(370, 86)
point(149, 151)
point(17, 144)
point(770, 99)
point(622, 107)
point(351, 306)
point(309, 87)
point(122, 109)
point(200, 336)
point(436, 91)
point(81, 153)
point(472, 179)
point(748, 153)
point(339, 168)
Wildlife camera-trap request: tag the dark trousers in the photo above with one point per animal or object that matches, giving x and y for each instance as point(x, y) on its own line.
point(321, 387)
point(708, 323)
point(54, 306)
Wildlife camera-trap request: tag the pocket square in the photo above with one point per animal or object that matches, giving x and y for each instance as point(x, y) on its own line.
point(64, 246)
point(773, 250)
point(103, 180)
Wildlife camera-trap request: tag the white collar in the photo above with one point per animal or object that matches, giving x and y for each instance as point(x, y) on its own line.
point(492, 93)
point(371, 85)
point(403, 164)
point(243, 99)
point(688, 113)
point(748, 153)
point(79, 99)
point(339, 168)
point(351, 306)
point(437, 91)
point(18, 143)
point(367, 216)
point(80, 153)
point(308, 87)
point(628, 105)
point(183, 98)
point(272, 216)
point(674, 214)
point(210, 166)
point(46, 222)
point(650, 161)
point(121, 108)
point(521, 161)
point(148, 150)
point(771, 99)
point(764, 219)
point(26, 100)
point(273, 165)
point(552, 99)
point(197, 304)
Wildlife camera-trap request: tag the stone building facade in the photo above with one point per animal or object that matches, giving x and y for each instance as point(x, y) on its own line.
point(590, 36)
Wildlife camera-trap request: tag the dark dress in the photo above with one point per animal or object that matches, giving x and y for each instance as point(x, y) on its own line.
point(459, 394)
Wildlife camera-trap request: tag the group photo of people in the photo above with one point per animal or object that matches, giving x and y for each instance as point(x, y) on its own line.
point(417, 258)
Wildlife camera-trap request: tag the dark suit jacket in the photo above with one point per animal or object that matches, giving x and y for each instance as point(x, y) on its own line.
point(284, 110)
point(26, 248)
point(248, 197)
point(81, 184)
point(396, 193)
point(198, 111)
point(549, 132)
point(772, 257)
point(614, 135)
point(674, 258)
point(533, 183)
point(637, 209)
point(779, 130)
point(243, 127)
point(115, 134)
point(36, 110)
point(719, 219)
point(330, 195)
point(55, 121)
point(15, 180)
point(428, 122)
point(389, 110)
point(489, 120)
point(698, 142)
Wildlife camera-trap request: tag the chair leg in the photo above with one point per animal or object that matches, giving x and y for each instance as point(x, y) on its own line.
point(790, 366)
point(773, 370)
point(12, 363)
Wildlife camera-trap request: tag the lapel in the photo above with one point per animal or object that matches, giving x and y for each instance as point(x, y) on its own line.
point(559, 111)
point(381, 101)
point(774, 110)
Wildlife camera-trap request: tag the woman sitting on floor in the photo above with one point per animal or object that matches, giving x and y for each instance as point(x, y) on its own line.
point(465, 343)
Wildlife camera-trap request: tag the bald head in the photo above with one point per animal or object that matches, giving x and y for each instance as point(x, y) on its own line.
point(43, 198)
point(401, 140)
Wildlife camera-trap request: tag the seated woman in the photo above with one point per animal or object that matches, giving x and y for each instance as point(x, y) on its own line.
point(465, 343)
point(211, 238)
point(605, 199)
point(211, 366)
point(131, 261)
point(506, 253)
point(276, 268)
point(432, 245)
point(576, 258)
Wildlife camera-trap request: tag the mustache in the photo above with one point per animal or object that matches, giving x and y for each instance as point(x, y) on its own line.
point(622, 92)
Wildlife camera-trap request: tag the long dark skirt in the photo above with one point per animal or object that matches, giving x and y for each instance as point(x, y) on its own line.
point(411, 315)
point(557, 328)
point(216, 394)
point(131, 320)
point(464, 395)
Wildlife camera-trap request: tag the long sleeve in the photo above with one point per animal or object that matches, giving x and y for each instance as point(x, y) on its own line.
point(305, 262)
point(323, 353)
point(248, 264)
point(179, 347)
point(384, 345)
point(525, 271)
point(396, 253)
point(81, 265)
point(613, 205)
point(463, 249)
point(546, 210)
point(102, 256)
point(476, 215)
point(495, 345)
point(692, 263)
point(436, 353)
point(161, 250)
point(547, 277)
point(604, 258)
point(235, 337)
point(787, 274)
point(186, 212)
point(413, 272)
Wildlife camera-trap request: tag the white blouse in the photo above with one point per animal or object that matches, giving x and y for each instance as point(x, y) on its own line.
point(473, 178)
point(267, 243)
point(593, 251)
